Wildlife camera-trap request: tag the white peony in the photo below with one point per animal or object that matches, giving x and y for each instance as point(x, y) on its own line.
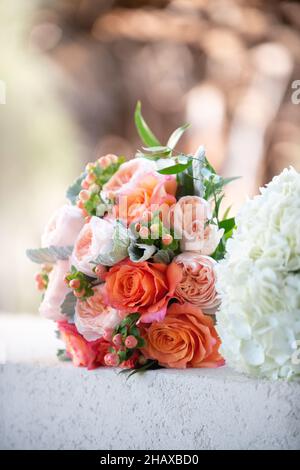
point(259, 283)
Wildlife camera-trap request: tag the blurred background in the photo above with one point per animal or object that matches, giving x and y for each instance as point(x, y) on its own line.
point(72, 71)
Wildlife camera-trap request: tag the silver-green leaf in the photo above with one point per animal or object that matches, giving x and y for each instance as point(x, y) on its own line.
point(49, 254)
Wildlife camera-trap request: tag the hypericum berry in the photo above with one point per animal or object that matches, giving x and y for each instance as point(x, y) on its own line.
point(85, 184)
point(167, 239)
point(38, 277)
point(95, 188)
point(100, 271)
point(84, 195)
point(104, 162)
point(80, 204)
point(144, 232)
point(111, 359)
point(117, 340)
point(74, 284)
point(90, 166)
point(154, 228)
point(91, 178)
point(107, 335)
point(131, 342)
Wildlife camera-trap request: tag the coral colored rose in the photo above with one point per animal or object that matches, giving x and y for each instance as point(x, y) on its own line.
point(197, 284)
point(63, 227)
point(94, 240)
point(127, 176)
point(56, 292)
point(83, 353)
point(142, 287)
point(185, 338)
point(93, 317)
point(152, 191)
point(191, 214)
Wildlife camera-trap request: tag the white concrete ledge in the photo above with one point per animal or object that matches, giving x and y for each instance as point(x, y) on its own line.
point(50, 405)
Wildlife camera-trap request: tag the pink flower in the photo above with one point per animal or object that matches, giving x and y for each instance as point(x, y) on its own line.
point(151, 191)
point(83, 353)
point(127, 176)
point(197, 284)
point(95, 238)
point(191, 215)
point(93, 317)
point(56, 292)
point(63, 227)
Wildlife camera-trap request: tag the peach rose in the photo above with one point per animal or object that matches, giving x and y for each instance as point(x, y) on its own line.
point(96, 239)
point(56, 292)
point(185, 338)
point(198, 281)
point(191, 215)
point(142, 287)
point(83, 353)
point(63, 227)
point(152, 191)
point(93, 317)
point(127, 176)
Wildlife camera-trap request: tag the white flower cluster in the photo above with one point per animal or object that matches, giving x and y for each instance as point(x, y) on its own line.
point(259, 284)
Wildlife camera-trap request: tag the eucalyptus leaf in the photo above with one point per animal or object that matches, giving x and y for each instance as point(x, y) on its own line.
point(74, 189)
point(143, 129)
point(198, 163)
point(119, 247)
point(163, 256)
point(139, 252)
point(49, 254)
point(176, 136)
point(68, 306)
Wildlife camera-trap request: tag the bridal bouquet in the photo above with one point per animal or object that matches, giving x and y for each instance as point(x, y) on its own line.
point(128, 266)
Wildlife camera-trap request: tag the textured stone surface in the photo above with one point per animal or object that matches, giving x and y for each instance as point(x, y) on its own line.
point(50, 405)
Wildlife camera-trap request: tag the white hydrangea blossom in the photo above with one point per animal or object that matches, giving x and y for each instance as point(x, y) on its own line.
point(259, 283)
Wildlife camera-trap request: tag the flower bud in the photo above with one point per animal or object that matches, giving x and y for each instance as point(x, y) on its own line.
point(167, 239)
point(144, 232)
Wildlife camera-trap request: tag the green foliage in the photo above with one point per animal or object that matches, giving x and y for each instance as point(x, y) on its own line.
point(62, 355)
point(176, 136)
point(49, 254)
point(139, 252)
point(68, 306)
point(75, 188)
point(119, 249)
point(143, 129)
point(175, 169)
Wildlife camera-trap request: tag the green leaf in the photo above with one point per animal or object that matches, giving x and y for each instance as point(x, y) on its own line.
point(68, 306)
point(62, 355)
point(159, 150)
point(50, 254)
point(176, 136)
point(143, 129)
point(227, 224)
point(74, 189)
point(175, 169)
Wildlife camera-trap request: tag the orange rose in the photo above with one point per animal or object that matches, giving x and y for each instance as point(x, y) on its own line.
point(142, 287)
point(152, 191)
point(185, 338)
